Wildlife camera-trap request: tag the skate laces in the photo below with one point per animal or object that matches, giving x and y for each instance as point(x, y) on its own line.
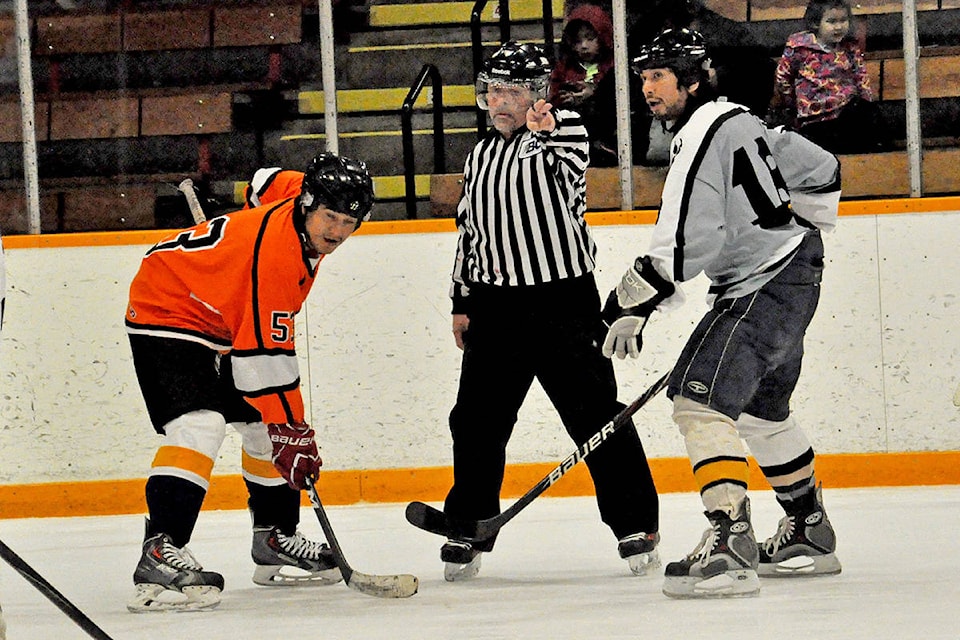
point(298, 546)
point(708, 542)
point(785, 529)
point(179, 558)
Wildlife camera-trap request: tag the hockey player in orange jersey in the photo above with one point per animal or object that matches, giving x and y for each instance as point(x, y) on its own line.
point(271, 184)
point(233, 285)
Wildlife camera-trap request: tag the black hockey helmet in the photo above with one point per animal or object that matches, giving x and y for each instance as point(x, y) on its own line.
point(515, 64)
point(683, 51)
point(340, 184)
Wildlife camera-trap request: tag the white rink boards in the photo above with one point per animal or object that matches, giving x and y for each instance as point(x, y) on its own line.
point(380, 367)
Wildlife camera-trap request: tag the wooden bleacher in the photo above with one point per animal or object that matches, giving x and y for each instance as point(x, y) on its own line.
point(385, 15)
point(768, 10)
point(869, 175)
point(134, 128)
point(180, 100)
point(938, 69)
point(178, 27)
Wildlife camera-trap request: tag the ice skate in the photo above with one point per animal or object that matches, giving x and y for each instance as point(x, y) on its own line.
point(169, 578)
point(723, 565)
point(803, 545)
point(285, 561)
point(640, 552)
point(461, 560)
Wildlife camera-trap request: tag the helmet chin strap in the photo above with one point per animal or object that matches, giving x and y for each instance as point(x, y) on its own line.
point(308, 246)
point(300, 224)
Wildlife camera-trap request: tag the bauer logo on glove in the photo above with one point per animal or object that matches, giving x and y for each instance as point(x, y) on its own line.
point(295, 453)
point(293, 441)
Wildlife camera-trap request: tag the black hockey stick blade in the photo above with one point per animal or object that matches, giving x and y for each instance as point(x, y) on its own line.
point(433, 520)
point(54, 596)
point(385, 586)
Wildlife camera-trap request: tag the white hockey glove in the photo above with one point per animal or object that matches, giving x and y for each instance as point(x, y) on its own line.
point(624, 338)
point(629, 306)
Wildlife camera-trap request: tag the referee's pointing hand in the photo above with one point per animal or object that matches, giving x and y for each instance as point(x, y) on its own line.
point(540, 118)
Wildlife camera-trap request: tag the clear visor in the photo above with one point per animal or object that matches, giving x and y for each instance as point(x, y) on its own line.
point(503, 90)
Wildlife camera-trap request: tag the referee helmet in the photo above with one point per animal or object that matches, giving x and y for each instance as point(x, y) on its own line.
point(515, 64)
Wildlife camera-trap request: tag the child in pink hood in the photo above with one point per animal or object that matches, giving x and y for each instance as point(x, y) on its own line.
point(582, 80)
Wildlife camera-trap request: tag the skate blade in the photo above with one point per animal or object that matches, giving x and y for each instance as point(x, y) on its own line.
point(731, 584)
point(802, 567)
point(155, 597)
point(642, 564)
point(455, 572)
point(287, 576)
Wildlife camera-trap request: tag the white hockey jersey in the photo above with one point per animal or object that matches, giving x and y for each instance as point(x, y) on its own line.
point(737, 201)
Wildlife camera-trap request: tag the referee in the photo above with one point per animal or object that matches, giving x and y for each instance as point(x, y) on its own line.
point(525, 306)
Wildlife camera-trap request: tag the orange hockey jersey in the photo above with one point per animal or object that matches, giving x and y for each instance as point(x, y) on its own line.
point(233, 283)
point(270, 185)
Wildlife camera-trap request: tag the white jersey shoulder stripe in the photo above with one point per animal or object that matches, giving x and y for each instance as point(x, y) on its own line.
point(697, 133)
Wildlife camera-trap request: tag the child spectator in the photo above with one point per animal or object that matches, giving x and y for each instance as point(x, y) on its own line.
point(582, 79)
point(821, 87)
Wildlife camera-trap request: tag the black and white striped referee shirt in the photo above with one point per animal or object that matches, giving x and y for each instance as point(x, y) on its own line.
point(520, 219)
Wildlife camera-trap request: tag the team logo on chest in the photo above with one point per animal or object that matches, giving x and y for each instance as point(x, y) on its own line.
point(530, 148)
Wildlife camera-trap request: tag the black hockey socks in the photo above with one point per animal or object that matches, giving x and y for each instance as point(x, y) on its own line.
point(174, 504)
point(277, 506)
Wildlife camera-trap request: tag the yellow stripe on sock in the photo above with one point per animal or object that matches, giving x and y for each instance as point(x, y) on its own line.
point(715, 471)
point(257, 467)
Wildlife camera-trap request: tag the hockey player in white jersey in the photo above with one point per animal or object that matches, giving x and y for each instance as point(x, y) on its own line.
point(744, 205)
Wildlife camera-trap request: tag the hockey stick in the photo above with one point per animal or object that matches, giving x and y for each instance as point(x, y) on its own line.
point(186, 188)
point(47, 589)
point(391, 586)
point(433, 520)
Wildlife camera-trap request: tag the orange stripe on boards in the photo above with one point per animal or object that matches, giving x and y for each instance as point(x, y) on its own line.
point(640, 216)
point(442, 225)
point(430, 484)
point(67, 499)
point(899, 205)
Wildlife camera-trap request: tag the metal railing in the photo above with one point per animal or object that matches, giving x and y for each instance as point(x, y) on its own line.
point(406, 129)
point(476, 41)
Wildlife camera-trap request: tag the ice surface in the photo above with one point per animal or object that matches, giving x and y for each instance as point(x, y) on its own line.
point(555, 573)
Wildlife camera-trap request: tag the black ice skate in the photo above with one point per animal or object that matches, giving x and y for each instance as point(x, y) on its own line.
point(723, 565)
point(803, 545)
point(640, 552)
point(284, 561)
point(461, 560)
point(170, 578)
